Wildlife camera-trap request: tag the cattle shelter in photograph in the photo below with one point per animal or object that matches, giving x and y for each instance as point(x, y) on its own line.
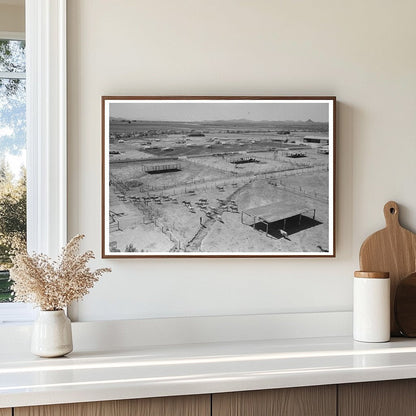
point(279, 219)
point(323, 141)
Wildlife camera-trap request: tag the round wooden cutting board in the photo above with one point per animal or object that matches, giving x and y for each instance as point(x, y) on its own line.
point(405, 306)
point(392, 250)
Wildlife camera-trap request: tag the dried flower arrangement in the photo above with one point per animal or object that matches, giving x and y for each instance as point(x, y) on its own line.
point(53, 285)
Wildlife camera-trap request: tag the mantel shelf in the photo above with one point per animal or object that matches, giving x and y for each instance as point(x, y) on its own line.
point(170, 370)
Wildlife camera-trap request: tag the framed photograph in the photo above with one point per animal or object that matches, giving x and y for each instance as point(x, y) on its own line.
point(218, 177)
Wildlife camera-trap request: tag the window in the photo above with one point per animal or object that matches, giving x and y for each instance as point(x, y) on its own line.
point(12, 155)
point(12, 165)
point(45, 134)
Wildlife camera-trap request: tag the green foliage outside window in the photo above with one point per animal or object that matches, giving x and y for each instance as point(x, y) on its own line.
point(12, 148)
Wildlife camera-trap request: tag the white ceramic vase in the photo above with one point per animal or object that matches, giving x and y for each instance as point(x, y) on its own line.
point(52, 334)
point(371, 317)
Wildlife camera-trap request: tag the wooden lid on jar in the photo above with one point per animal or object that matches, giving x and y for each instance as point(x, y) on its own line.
point(372, 275)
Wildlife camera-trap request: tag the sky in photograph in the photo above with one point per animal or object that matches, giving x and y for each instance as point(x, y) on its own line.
point(197, 111)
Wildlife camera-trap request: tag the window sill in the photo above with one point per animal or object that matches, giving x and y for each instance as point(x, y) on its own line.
point(16, 313)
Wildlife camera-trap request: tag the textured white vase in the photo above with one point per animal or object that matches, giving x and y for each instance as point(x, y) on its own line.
point(52, 334)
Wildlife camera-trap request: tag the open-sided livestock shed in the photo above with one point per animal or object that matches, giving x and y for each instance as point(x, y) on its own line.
point(246, 159)
point(165, 168)
point(316, 140)
point(277, 211)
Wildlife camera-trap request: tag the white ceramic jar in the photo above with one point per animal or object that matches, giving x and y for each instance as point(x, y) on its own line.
point(371, 322)
point(52, 334)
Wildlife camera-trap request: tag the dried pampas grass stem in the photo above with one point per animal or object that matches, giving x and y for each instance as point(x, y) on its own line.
point(53, 285)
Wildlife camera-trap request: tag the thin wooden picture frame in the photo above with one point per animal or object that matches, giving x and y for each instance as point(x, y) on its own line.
point(218, 176)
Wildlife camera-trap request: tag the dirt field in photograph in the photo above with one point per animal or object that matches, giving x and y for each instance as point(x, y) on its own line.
point(127, 228)
point(173, 192)
point(243, 238)
point(189, 173)
point(310, 184)
point(193, 230)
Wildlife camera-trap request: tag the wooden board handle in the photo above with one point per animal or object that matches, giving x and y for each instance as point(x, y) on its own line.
point(391, 214)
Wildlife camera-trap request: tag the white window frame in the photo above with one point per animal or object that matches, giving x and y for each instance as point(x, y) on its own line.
point(46, 134)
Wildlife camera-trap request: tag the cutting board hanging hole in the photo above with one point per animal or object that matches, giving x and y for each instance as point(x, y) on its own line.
point(391, 213)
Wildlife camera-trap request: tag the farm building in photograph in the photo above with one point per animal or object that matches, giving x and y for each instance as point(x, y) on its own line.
point(279, 219)
point(323, 141)
point(165, 168)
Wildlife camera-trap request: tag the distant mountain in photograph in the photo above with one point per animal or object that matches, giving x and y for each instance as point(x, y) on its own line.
point(231, 121)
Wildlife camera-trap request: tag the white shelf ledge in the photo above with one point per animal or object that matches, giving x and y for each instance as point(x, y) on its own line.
point(152, 371)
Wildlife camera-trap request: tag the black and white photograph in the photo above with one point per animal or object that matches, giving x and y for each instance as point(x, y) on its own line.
point(218, 176)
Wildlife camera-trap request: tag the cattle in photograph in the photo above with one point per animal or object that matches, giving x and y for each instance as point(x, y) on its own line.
point(162, 168)
point(277, 213)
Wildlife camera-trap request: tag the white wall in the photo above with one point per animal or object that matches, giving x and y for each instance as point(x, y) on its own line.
point(361, 51)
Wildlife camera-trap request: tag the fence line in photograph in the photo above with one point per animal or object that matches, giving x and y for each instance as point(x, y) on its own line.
point(193, 185)
point(165, 230)
point(298, 190)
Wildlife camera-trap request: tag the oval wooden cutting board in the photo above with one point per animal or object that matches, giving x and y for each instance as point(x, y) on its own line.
point(392, 250)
